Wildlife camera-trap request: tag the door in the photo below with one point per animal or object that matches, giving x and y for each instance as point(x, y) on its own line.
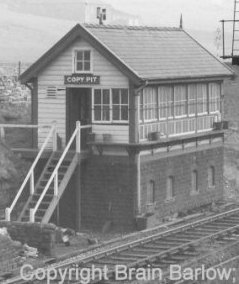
point(78, 102)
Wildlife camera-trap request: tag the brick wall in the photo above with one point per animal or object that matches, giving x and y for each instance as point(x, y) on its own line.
point(181, 167)
point(108, 185)
point(41, 236)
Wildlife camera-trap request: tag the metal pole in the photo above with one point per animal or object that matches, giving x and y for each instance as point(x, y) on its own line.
point(223, 38)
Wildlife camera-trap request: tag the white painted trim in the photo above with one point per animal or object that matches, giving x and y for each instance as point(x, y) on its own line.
point(74, 71)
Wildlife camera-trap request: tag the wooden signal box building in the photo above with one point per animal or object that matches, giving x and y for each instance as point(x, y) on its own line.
point(154, 100)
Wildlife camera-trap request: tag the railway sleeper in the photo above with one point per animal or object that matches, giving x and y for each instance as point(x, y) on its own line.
point(123, 258)
point(218, 226)
point(111, 261)
point(137, 255)
point(157, 247)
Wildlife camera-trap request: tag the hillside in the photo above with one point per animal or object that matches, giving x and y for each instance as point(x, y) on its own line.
point(26, 37)
point(27, 33)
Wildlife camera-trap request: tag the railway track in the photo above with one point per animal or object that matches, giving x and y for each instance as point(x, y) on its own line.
point(160, 250)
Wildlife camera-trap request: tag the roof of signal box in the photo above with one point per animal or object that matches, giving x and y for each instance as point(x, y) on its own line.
point(141, 53)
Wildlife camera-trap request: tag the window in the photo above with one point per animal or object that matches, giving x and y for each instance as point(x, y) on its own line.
point(149, 104)
point(170, 188)
point(211, 176)
point(150, 193)
point(111, 105)
point(120, 103)
point(202, 98)
point(102, 105)
point(165, 99)
point(214, 97)
point(180, 100)
point(192, 99)
point(82, 61)
point(194, 181)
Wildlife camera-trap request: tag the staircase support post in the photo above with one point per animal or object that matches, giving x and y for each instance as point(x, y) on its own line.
point(32, 216)
point(7, 214)
point(78, 137)
point(32, 190)
point(54, 138)
point(56, 184)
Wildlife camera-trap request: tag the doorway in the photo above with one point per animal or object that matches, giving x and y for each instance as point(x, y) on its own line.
point(78, 108)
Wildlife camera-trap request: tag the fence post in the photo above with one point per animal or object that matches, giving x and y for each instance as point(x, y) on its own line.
point(78, 137)
point(7, 214)
point(54, 137)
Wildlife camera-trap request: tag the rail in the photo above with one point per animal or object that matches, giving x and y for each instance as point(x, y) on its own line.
point(76, 135)
point(30, 176)
point(94, 255)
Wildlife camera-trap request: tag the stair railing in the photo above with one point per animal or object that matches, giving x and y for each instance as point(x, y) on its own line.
point(54, 176)
point(30, 176)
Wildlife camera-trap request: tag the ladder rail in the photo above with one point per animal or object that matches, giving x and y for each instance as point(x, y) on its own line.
point(54, 176)
point(234, 26)
point(30, 175)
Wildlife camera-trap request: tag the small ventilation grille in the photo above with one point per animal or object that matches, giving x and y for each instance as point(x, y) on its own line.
point(51, 91)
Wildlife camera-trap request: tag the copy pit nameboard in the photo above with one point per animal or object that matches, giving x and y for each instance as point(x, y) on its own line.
point(82, 79)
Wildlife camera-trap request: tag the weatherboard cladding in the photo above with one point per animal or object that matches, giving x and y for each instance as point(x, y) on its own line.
point(141, 52)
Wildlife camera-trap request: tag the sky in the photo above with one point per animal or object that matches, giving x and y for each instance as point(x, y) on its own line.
point(197, 14)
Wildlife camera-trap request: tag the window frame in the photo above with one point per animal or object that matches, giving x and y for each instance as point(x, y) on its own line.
point(150, 110)
point(204, 103)
point(210, 101)
point(120, 105)
point(101, 106)
point(110, 121)
point(175, 116)
point(74, 61)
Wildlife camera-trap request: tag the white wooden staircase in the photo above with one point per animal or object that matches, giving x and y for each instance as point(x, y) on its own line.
point(49, 201)
point(47, 191)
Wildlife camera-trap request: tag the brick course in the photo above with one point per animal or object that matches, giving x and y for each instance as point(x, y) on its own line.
point(181, 167)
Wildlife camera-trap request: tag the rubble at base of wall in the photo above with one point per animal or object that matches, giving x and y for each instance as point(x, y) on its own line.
point(40, 236)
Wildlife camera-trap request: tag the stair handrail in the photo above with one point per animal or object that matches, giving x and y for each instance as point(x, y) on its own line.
point(76, 134)
point(30, 175)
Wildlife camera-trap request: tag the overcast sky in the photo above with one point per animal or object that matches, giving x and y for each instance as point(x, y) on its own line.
point(197, 14)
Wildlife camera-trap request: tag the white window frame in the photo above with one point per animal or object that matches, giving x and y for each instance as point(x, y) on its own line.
point(93, 107)
point(74, 61)
point(167, 104)
point(111, 108)
point(209, 101)
point(146, 109)
point(111, 121)
point(175, 105)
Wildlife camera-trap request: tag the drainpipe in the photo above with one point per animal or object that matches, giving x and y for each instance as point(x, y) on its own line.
point(138, 156)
